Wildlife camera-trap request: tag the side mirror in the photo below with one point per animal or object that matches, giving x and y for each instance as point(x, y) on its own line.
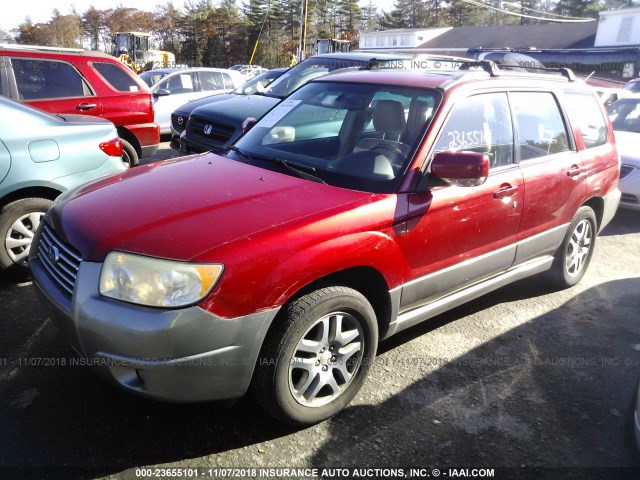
point(463, 169)
point(163, 92)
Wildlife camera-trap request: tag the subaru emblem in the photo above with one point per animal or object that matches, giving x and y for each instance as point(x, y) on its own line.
point(207, 129)
point(54, 254)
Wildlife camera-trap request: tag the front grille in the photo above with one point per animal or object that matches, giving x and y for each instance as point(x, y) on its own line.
point(625, 170)
point(218, 134)
point(179, 122)
point(60, 261)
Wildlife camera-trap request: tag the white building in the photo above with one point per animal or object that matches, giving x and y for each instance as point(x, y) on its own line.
point(618, 28)
point(399, 38)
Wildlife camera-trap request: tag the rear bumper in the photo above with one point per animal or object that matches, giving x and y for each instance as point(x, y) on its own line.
point(179, 355)
point(611, 202)
point(148, 135)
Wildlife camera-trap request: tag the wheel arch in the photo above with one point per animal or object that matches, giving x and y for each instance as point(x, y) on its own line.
point(597, 205)
point(131, 138)
point(30, 192)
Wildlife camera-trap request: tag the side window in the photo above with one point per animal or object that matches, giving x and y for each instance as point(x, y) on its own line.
point(481, 123)
point(541, 130)
point(211, 81)
point(116, 76)
point(584, 111)
point(39, 79)
point(182, 83)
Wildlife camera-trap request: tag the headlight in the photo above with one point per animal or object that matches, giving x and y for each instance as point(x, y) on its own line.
point(156, 282)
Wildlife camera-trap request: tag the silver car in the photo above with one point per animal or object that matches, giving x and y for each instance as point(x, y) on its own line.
point(173, 87)
point(42, 156)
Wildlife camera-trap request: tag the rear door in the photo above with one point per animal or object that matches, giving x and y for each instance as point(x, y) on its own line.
point(553, 172)
point(462, 235)
point(55, 86)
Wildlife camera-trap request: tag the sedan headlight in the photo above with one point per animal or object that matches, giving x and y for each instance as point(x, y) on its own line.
point(156, 282)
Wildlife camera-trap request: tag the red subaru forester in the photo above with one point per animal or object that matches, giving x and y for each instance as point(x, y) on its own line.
point(364, 203)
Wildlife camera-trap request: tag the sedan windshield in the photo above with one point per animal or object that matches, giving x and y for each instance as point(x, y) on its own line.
point(150, 77)
point(348, 135)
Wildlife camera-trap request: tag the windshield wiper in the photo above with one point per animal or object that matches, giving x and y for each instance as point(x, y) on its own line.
point(242, 153)
point(297, 169)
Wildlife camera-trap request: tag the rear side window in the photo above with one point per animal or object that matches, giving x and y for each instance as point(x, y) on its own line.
point(541, 130)
point(585, 112)
point(38, 79)
point(116, 76)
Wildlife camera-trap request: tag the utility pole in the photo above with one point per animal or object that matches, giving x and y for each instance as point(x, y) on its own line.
point(303, 30)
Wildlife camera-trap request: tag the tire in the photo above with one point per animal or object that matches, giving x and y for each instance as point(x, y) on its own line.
point(631, 442)
point(129, 154)
point(306, 334)
point(18, 223)
point(573, 256)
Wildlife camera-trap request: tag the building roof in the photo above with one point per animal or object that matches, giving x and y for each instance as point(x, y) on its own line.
point(552, 35)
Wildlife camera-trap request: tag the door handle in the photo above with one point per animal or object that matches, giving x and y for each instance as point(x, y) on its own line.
point(505, 191)
point(574, 171)
point(86, 106)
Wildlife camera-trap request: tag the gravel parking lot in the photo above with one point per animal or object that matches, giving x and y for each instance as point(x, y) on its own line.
point(527, 382)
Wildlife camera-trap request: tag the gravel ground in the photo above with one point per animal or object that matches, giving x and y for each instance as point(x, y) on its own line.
point(528, 381)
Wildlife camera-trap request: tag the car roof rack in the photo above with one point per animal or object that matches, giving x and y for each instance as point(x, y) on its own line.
point(493, 68)
point(15, 46)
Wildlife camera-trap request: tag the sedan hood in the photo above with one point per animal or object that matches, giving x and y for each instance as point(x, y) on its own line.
point(185, 208)
point(235, 110)
point(189, 107)
point(627, 145)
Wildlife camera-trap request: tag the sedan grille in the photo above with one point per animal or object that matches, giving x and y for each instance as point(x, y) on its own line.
point(179, 122)
point(625, 170)
point(60, 261)
point(629, 199)
point(209, 132)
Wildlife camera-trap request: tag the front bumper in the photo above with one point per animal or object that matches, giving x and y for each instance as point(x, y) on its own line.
point(181, 355)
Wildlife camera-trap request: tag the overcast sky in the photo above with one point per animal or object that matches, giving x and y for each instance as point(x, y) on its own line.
point(14, 13)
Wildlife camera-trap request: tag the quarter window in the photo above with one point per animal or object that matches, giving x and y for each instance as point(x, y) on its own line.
point(584, 110)
point(541, 130)
point(481, 123)
point(117, 77)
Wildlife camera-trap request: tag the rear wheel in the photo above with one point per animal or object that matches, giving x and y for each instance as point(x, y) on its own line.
point(129, 154)
point(18, 223)
point(573, 257)
point(316, 358)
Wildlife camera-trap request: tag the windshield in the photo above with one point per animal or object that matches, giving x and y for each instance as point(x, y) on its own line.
point(353, 136)
point(152, 77)
point(258, 83)
point(306, 71)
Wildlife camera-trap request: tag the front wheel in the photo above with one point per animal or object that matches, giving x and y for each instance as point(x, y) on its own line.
point(316, 358)
point(18, 223)
point(574, 255)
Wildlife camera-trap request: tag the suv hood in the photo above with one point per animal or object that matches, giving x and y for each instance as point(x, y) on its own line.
point(185, 208)
point(235, 110)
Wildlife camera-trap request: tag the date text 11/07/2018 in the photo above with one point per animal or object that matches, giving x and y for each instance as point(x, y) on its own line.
point(272, 472)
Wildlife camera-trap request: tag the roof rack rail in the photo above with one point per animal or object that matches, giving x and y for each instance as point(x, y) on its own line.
point(15, 46)
point(564, 71)
point(488, 66)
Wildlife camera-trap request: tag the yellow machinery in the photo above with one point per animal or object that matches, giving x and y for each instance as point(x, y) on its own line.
point(132, 49)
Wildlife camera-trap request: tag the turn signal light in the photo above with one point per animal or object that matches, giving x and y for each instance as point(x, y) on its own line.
point(113, 148)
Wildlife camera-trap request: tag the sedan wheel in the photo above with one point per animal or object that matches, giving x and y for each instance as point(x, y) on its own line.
point(19, 221)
